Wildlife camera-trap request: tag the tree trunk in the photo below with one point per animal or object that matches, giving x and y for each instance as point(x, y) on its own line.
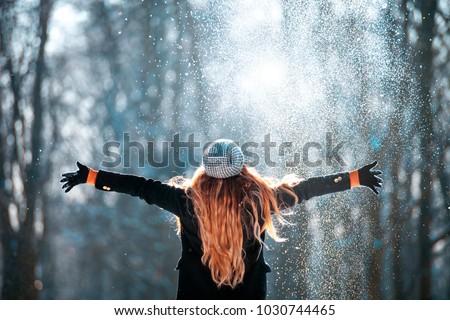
point(20, 247)
point(425, 126)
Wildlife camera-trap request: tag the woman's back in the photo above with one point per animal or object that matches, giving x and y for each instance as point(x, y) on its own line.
point(223, 233)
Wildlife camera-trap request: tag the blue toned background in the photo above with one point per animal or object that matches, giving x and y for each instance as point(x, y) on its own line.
point(75, 75)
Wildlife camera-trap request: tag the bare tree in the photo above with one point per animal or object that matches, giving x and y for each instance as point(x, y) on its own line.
point(22, 160)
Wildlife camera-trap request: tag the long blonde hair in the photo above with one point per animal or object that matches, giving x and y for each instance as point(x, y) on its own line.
point(227, 210)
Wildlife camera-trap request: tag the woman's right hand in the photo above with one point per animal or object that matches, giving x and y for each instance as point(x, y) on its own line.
point(71, 179)
point(370, 178)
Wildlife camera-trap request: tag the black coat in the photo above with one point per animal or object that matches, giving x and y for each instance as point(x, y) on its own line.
point(195, 280)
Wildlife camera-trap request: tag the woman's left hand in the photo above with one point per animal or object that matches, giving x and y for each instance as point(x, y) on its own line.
point(370, 178)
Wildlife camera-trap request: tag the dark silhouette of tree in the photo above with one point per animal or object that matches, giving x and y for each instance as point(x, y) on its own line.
point(23, 150)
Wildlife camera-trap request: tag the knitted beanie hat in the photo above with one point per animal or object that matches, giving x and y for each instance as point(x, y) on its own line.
point(223, 159)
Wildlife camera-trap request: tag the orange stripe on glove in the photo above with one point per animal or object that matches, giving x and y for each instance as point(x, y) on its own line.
point(92, 177)
point(354, 179)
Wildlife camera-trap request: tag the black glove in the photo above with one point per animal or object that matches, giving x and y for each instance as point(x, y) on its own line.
point(370, 178)
point(72, 179)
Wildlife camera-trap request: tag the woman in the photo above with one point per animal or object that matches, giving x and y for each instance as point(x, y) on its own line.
point(223, 213)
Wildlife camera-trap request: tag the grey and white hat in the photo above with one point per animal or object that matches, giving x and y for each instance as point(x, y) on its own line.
point(223, 158)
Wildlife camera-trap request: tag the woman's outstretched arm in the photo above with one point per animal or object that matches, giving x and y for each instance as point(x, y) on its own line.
point(318, 186)
point(152, 191)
